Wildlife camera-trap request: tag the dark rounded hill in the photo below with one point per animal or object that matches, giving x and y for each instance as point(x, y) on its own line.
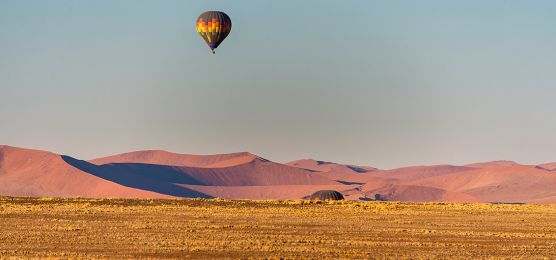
point(327, 195)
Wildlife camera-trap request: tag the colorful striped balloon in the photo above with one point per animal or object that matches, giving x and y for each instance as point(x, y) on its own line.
point(214, 26)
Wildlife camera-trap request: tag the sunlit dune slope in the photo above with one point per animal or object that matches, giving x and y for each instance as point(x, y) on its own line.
point(168, 158)
point(518, 183)
point(25, 172)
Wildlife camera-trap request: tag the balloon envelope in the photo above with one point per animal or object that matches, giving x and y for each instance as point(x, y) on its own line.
point(213, 27)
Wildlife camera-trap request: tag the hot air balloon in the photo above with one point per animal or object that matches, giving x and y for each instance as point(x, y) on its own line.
point(214, 26)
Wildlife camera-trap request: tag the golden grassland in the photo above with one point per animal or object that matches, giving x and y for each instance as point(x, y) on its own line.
point(198, 228)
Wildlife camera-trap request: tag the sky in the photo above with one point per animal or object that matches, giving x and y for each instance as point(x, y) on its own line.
point(382, 83)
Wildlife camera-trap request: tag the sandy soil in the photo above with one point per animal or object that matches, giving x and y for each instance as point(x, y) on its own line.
point(208, 229)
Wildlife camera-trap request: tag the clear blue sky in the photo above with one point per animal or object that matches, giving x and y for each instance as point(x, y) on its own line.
point(383, 83)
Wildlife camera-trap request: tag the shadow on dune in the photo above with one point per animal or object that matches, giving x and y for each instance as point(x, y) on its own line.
point(350, 182)
point(357, 169)
point(157, 178)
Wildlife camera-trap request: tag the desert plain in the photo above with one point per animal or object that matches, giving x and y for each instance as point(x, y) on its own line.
point(217, 228)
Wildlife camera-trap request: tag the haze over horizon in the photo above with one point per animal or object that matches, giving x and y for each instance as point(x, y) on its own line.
point(379, 83)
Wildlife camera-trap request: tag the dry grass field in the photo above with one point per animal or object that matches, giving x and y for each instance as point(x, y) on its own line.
point(109, 228)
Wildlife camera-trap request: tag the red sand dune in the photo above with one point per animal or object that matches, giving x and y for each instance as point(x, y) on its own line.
point(25, 172)
point(236, 169)
point(410, 193)
point(516, 183)
point(548, 166)
point(256, 173)
point(322, 166)
point(399, 175)
point(420, 172)
point(492, 164)
point(160, 174)
point(176, 159)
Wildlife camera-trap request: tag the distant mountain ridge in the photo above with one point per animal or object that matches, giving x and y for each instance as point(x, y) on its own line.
point(243, 175)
